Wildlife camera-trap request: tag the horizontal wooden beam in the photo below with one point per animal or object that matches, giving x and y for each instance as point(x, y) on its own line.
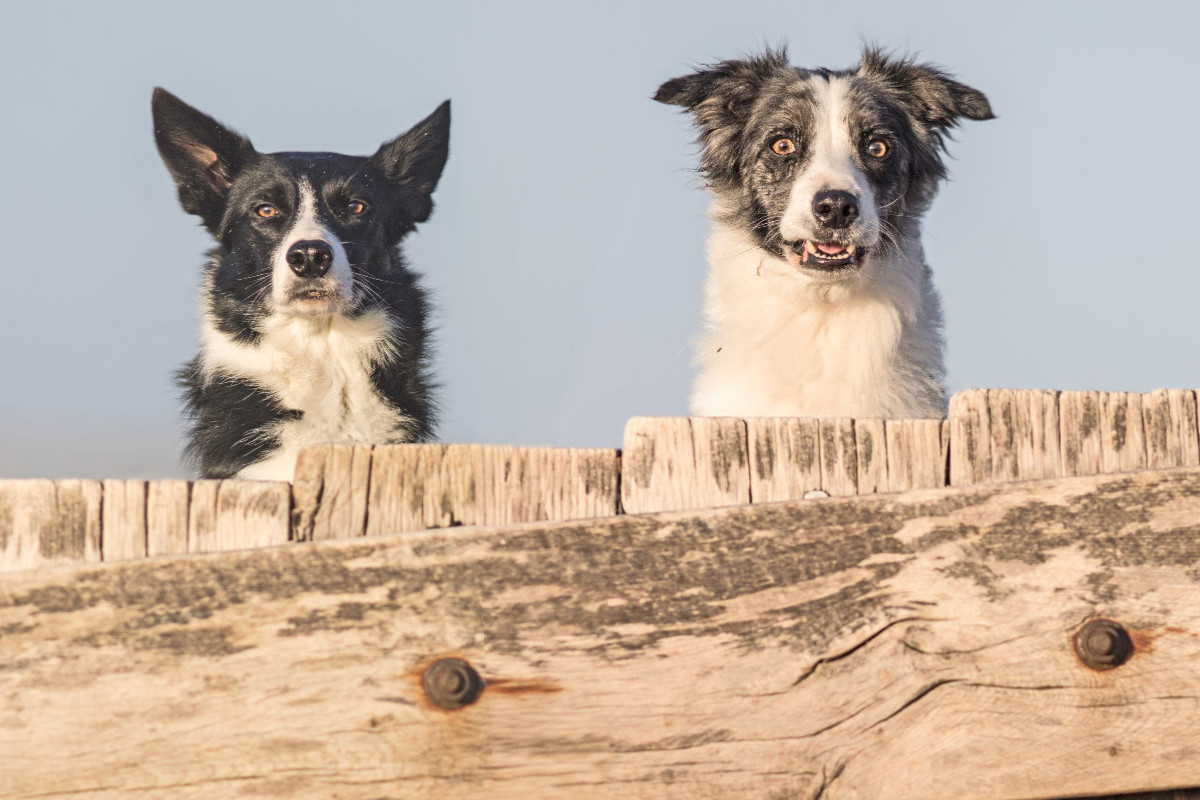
point(923, 645)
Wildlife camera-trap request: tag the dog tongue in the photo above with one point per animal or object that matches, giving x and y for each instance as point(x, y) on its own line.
point(830, 249)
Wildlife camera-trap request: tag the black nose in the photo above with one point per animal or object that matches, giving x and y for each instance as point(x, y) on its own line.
point(310, 259)
point(835, 208)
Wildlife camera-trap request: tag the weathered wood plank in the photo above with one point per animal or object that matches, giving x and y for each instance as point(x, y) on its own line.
point(785, 458)
point(1011, 434)
point(415, 487)
point(1122, 437)
point(329, 492)
point(970, 438)
point(899, 646)
point(236, 515)
point(1040, 456)
point(46, 522)
point(839, 457)
point(1079, 421)
point(671, 463)
point(123, 520)
point(167, 517)
point(915, 459)
point(870, 445)
point(1170, 425)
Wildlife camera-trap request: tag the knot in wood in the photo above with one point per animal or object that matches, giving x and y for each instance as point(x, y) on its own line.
point(451, 683)
point(1103, 644)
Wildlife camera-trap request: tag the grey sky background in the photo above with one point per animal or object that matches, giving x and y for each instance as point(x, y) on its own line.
point(566, 252)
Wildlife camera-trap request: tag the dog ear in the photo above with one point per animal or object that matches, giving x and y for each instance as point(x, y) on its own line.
point(202, 155)
point(720, 99)
point(414, 161)
point(939, 100)
point(722, 93)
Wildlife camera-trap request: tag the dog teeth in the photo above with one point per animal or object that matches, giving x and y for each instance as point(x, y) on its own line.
point(850, 248)
point(809, 247)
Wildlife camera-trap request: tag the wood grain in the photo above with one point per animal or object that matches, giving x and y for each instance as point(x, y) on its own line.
point(839, 457)
point(785, 458)
point(671, 463)
point(329, 492)
point(1122, 436)
point(899, 646)
point(123, 520)
point(1170, 425)
point(1079, 418)
point(915, 459)
point(970, 438)
point(416, 487)
point(870, 445)
point(44, 523)
point(236, 515)
point(167, 517)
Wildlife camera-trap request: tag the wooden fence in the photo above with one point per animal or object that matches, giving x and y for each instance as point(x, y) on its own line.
point(666, 464)
point(996, 630)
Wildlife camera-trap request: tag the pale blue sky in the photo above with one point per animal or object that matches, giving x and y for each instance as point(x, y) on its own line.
point(566, 252)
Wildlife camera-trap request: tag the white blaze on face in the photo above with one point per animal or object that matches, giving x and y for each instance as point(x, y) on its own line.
point(307, 227)
point(831, 165)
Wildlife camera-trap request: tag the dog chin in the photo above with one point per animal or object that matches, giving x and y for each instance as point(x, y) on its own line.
point(312, 303)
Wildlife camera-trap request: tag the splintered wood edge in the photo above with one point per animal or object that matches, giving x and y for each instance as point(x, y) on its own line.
point(908, 646)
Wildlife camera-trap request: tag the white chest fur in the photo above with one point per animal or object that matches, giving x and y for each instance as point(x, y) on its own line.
point(780, 344)
point(321, 367)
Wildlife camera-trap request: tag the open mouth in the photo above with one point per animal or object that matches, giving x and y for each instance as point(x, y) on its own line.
point(826, 255)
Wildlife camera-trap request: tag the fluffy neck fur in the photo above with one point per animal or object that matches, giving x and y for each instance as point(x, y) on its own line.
point(779, 344)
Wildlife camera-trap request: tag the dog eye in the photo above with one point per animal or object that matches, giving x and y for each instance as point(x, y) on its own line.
point(267, 211)
point(877, 149)
point(783, 147)
point(356, 207)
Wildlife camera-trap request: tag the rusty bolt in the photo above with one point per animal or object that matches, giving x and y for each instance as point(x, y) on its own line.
point(452, 683)
point(1103, 644)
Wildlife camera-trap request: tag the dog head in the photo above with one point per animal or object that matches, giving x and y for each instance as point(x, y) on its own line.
point(826, 169)
point(298, 233)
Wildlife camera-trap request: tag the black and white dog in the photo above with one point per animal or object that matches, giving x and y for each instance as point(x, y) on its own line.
point(314, 329)
point(819, 301)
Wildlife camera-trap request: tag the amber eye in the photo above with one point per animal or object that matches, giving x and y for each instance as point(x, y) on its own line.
point(877, 149)
point(267, 211)
point(783, 147)
point(356, 206)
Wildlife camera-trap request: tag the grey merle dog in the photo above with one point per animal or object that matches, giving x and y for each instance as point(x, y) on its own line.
point(819, 301)
point(313, 327)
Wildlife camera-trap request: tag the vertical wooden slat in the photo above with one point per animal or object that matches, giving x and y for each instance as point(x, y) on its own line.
point(970, 438)
point(167, 517)
point(529, 484)
point(46, 522)
point(329, 492)
point(915, 457)
point(123, 520)
point(839, 457)
point(410, 490)
point(1162, 442)
point(1008, 427)
point(1183, 418)
point(1079, 422)
point(870, 446)
point(682, 463)
point(235, 515)
point(785, 458)
point(1040, 455)
point(415, 487)
point(1122, 437)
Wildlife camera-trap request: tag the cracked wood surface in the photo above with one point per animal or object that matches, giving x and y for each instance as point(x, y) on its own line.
point(903, 646)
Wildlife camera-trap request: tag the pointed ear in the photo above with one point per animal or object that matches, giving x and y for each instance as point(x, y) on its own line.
point(720, 99)
point(938, 100)
point(202, 155)
point(414, 161)
point(724, 92)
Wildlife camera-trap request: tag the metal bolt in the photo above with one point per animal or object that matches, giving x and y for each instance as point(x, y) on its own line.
point(1103, 644)
point(452, 683)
